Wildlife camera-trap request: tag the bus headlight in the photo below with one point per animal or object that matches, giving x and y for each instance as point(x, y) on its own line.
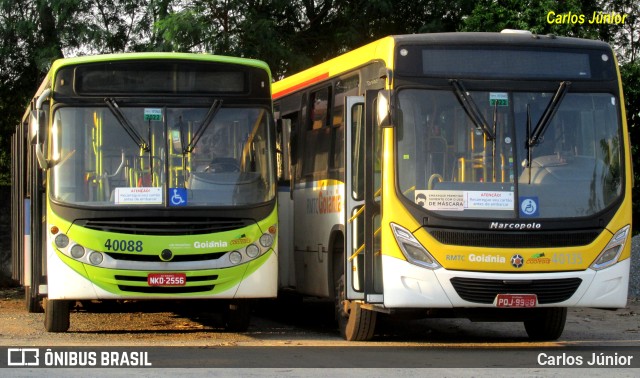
point(235, 257)
point(612, 251)
point(412, 249)
point(96, 258)
point(77, 251)
point(266, 240)
point(252, 251)
point(62, 241)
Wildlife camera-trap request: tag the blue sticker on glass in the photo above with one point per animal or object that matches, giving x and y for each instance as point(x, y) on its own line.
point(178, 196)
point(529, 207)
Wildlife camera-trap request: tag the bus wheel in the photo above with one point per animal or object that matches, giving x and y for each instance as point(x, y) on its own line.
point(547, 325)
point(236, 316)
point(33, 303)
point(56, 315)
point(355, 322)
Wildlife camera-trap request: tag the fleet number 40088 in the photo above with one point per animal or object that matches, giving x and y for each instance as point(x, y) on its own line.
point(122, 245)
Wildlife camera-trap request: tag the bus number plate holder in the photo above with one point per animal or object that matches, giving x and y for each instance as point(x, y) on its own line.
point(167, 279)
point(516, 300)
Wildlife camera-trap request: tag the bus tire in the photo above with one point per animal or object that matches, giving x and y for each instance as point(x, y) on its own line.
point(56, 315)
point(355, 322)
point(237, 316)
point(32, 303)
point(547, 325)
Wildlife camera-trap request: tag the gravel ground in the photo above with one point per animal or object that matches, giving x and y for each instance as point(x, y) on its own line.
point(634, 276)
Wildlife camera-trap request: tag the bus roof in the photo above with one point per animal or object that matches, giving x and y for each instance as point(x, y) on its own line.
point(383, 50)
point(158, 56)
point(63, 62)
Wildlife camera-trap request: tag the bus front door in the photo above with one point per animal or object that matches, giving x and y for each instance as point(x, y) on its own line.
point(362, 202)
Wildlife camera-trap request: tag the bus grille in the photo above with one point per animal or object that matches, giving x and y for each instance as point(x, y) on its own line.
point(166, 290)
point(205, 286)
point(156, 258)
point(164, 226)
point(485, 291)
point(514, 239)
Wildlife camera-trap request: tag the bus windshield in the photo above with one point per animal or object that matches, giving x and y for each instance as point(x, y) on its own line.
point(451, 166)
point(161, 156)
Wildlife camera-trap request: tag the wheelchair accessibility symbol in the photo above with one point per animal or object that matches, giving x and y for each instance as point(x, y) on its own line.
point(178, 196)
point(529, 207)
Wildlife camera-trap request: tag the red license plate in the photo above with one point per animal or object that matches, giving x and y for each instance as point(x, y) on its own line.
point(167, 279)
point(516, 300)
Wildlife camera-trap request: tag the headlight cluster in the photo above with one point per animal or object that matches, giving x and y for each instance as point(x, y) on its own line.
point(254, 250)
point(76, 251)
point(612, 251)
point(412, 249)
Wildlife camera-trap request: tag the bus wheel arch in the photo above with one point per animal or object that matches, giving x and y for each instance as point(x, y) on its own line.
point(337, 259)
point(355, 322)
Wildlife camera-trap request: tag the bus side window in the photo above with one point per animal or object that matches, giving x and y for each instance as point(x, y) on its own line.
point(343, 88)
point(317, 138)
point(319, 114)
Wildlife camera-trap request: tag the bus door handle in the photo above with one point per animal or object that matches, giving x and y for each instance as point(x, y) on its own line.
point(320, 253)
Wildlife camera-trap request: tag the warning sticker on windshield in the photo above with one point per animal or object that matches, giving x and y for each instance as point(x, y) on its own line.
point(138, 196)
point(489, 200)
point(458, 200)
point(446, 200)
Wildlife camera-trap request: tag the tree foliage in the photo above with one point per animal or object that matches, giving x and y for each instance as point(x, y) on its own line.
point(288, 34)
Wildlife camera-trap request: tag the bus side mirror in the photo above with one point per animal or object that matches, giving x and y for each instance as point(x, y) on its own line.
point(37, 126)
point(384, 108)
point(37, 132)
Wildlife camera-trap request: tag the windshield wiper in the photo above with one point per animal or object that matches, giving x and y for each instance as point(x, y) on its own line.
point(126, 125)
point(471, 109)
point(495, 132)
point(205, 124)
point(549, 113)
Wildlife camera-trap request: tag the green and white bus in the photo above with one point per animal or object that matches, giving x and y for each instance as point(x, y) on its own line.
point(146, 176)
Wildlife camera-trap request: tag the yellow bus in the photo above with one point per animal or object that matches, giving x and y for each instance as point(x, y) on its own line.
point(477, 175)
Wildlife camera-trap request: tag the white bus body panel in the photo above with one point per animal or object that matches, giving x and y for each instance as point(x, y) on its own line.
point(317, 211)
point(65, 283)
point(410, 286)
point(263, 283)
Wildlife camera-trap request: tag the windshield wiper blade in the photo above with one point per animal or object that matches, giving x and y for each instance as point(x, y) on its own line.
point(549, 113)
point(126, 125)
point(205, 124)
point(471, 109)
point(495, 132)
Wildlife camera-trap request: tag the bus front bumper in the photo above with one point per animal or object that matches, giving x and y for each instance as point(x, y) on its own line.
point(410, 286)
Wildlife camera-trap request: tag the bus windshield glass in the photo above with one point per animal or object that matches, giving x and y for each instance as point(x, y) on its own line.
point(450, 166)
point(161, 156)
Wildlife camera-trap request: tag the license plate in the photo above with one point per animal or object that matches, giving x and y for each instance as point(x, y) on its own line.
point(516, 300)
point(167, 279)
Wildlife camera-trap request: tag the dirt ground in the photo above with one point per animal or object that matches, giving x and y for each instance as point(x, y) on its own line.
point(193, 324)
